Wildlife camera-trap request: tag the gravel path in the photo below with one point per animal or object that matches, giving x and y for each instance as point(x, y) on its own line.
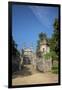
point(35, 78)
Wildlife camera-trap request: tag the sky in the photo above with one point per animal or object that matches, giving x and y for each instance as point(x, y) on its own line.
point(29, 21)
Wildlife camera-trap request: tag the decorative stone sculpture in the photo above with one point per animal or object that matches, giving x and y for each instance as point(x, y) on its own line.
point(43, 64)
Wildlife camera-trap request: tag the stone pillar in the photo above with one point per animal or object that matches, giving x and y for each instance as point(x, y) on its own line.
point(20, 64)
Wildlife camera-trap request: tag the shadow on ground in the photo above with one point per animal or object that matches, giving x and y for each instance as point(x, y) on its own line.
point(24, 72)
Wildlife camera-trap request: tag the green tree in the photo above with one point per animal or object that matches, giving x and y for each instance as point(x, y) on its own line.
point(51, 55)
point(47, 56)
point(15, 57)
point(54, 41)
point(15, 51)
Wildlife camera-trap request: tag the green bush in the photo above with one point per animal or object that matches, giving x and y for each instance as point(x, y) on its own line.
point(51, 54)
point(47, 56)
point(55, 69)
point(54, 55)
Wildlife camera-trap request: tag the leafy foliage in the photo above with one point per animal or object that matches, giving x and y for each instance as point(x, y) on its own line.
point(15, 57)
point(47, 56)
point(15, 51)
point(51, 54)
point(55, 69)
point(54, 41)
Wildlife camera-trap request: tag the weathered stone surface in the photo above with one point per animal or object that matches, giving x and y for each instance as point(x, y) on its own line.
point(40, 65)
point(44, 65)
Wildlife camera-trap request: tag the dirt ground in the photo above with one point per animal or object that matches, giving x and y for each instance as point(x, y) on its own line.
point(27, 77)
